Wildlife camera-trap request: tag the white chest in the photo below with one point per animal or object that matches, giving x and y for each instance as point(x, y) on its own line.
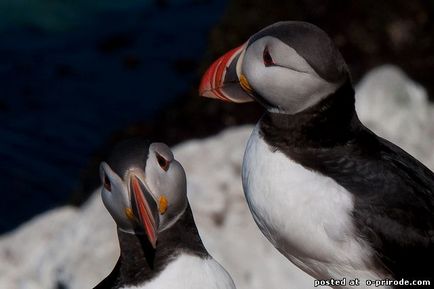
point(305, 215)
point(190, 272)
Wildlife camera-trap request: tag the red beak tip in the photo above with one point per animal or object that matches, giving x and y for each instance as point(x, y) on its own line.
point(205, 83)
point(212, 82)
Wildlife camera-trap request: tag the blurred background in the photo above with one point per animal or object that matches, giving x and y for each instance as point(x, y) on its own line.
point(78, 76)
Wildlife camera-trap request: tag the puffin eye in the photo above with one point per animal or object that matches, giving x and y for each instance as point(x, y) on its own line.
point(107, 184)
point(268, 60)
point(164, 164)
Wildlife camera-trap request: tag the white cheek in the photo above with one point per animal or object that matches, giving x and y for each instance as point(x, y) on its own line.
point(289, 90)
point(292, 85)
point(116, 201)
point(118, 196)
point(152, 175)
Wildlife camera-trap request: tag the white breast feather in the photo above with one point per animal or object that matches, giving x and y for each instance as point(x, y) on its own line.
point(190, 272)
point(307, 216)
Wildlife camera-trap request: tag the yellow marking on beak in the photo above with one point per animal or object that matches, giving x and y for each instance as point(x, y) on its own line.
point(245, 84)
point(130, 215)
point(163, 205)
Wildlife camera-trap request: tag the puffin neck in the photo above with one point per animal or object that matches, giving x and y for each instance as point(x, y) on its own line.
point(333, 121)
point(139, 262)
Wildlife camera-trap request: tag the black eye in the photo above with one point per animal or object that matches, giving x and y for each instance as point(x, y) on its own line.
point(268, 60)
point(107, 184)
point(164, 164)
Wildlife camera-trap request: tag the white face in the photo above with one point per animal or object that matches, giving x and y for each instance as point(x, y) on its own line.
point(282, 77)
point(163, 185)
point(165, 177)
point(115, 197)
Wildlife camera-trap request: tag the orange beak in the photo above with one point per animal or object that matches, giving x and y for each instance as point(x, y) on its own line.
point(221, 80)
point(145, 207)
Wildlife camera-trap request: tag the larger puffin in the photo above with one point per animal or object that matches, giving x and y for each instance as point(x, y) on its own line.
point(144, 190)
point(334, 198)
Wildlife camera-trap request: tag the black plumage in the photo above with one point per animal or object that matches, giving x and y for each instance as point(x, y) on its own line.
point(393, 192)
point(139, 262)
point(128, 153)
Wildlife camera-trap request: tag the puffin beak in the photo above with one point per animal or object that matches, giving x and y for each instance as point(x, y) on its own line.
point(222, 79)
point(145, 207)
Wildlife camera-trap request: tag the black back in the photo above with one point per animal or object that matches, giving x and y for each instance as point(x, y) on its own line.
point(394, 193)
point(139, 262)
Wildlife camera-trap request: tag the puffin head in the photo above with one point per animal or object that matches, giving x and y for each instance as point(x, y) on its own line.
point(287, 67)
point(144, 188)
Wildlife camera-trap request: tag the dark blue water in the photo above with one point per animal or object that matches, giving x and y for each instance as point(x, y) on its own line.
point(69, 80)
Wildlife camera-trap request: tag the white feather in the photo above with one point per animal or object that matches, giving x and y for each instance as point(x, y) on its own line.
point(305, 215)
point(190, 272)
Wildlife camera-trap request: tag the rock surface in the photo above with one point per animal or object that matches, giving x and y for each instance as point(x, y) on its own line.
point(75, 248)
point(398, 109)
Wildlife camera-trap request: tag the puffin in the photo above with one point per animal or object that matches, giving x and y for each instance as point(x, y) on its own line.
point(333, 197)
point(144, 190)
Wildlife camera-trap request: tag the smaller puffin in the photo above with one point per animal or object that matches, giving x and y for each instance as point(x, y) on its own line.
point(144, 190)
point(334, 198)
